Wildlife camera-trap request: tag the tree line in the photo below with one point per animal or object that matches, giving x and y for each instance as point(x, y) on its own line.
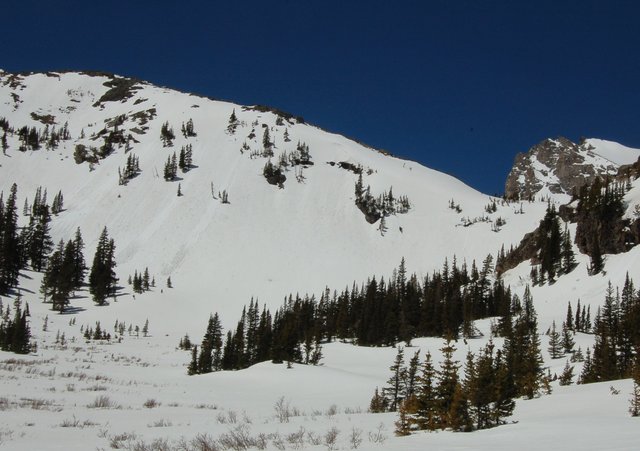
point(377, 313)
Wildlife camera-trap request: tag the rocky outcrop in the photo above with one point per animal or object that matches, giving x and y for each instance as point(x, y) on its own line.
point(555, 166)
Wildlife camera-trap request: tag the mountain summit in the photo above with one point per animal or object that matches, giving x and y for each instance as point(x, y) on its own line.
point(555, 167)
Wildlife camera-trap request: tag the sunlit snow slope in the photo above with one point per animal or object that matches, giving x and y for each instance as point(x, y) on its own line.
point(268, 241)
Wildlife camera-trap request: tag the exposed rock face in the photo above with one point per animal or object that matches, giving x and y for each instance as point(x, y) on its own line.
point(555, 166)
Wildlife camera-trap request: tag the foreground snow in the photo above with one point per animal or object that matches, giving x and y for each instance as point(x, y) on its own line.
point(88, 395)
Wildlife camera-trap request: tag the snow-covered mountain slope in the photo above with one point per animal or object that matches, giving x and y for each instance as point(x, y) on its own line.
point(267, 242)
point(554, 167)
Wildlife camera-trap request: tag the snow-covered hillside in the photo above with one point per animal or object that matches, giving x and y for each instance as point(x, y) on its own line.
point(268, 241)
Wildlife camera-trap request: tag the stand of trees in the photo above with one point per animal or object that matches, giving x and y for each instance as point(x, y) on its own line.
point(15, 333)
point(382, 206)
point(428, 398)
point(131, 169)
point(259, 336)
point(65, 272)
point(378, 313)
point(617, 336)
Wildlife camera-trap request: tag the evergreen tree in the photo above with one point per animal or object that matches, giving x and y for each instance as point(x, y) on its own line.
point(79, 266)
point(447, 384)
point(39, 243)
point(102, 278)
point(211, 349)
point(10, 249)
point(193, 365)
point(567, 339)
point(555, 343)
point(479, 385)
point(233, 123)
point(166, 135)
point(505, 390)
point(426, 415)
point(58, 203)
point(267, 144)
point(634, 402)
point(378, 403)
point(411, 375)
point(566, 378)
point(597, 261)
point(568, 256)
point(550, 242)
point(396, 385)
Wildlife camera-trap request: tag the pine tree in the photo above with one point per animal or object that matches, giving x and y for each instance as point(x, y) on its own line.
point(166, 135)
point(405, 411)
point(505, 390)
point(193, 365)
point(634, 402)
point(411, 374)
point(566, 378)
point(102, 278)
point(479, 385)
point(267, 144)
point(145, 279)
point(10, 248)
point(568, 256)
point(79, 266)
point(569, 321)
point(233, 123)
point(447, 383)
point(396, 385)
point(210, 358)
point(597, 261)
point(378, 403)
point(567, 339)
point(39, 241)
point(555, 344)
point(426, 416)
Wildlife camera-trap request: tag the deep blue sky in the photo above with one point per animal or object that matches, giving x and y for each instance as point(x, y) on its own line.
point(459, 86)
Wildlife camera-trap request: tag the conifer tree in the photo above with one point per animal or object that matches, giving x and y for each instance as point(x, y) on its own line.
point(378, 403)
point(411, 374)
point(79, 266)
point(405, 410)
point(102, 278)
point(597, 261)
point(555, 343)
point(566, 378)
point(193, 365)
point(567, 339)
point(396, 385)
point(39, 241)
point(266, 143)
point(568, 256)
point(233, 123)
point(10, 263)
point(634, 402)
point(426, 415)
point(447, 383)
point(505, 390)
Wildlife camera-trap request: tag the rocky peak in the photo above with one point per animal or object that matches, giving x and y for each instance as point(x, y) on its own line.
point(555, 167)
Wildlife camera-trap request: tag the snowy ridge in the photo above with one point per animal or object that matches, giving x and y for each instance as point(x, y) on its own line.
point(554, 167)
